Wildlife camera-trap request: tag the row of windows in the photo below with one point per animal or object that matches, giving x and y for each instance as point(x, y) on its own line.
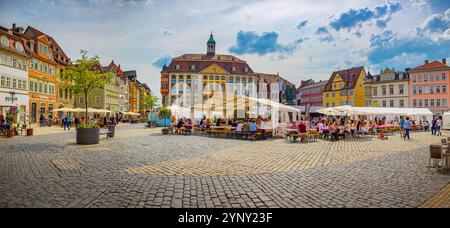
point(97, 99)
point(12, 82)
point(430, 103)
point(42, 87)
point(342, 103)
point(431, 77)
point(13, 62)
point(401, 103)
point(401, 90)
point(65, 93)
point(44, 49)
point(231, 79)
point(42, 67)
point(341, 93)
point(17, 45)
point(429, 89)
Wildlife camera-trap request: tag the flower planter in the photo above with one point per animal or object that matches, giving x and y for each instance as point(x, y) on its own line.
point(9, 133)
point(29, 132)
point(88, 136)
point(165, 131)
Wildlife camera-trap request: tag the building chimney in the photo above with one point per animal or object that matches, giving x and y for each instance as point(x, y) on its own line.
point(444, 61)
point(119, 66)
point(427, 61)
point(14, 25)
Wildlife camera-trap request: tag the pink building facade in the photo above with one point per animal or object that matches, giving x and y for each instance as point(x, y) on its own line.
point(429, 86)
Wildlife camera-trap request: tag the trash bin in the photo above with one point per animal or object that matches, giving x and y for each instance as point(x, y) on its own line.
point(111, 129)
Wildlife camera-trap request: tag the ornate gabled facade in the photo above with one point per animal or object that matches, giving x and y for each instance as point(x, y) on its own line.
point(43, 76)
point(345, 87)
point(14, 60)
point(209, 81)
point(388, 89)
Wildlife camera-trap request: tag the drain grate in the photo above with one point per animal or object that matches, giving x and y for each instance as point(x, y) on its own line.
point(65, 165)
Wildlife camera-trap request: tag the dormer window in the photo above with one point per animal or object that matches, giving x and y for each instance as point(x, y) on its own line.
point(192, 67)
point(32, 45)
point(19, 47)
point(233, 69)
point(246, 69)
point(5, 41)
point(177, 67)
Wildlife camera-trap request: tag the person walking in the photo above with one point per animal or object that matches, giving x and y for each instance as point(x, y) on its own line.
point(41, 120)
point(63, 117)
point(402, 122)
point(438, 126)
point(407, 127)
point(433, 126)
point(69, 121)
point(64, 121)
point(77, 122)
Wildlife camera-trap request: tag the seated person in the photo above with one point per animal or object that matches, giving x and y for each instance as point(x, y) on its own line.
point(332, 132)
point(14, 127)
point(253, 127)
point(180, 123)
point(239, 127)
point(302, 130)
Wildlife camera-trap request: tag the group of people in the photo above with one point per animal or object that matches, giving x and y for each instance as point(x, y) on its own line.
point(5, 125)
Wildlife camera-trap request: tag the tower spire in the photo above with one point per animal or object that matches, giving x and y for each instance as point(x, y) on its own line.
point(211, 45)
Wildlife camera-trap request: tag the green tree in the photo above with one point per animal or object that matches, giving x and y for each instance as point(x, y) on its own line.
point(86, 76)
point(376, 104)
point(150, 101)
point(165, 113)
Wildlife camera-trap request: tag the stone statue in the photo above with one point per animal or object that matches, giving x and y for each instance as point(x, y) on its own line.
point(289, 95)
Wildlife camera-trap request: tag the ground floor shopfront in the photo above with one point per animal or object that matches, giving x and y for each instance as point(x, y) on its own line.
point(41, 105)
point(16, 104)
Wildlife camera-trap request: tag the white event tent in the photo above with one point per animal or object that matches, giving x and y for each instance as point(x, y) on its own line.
point(414, 113)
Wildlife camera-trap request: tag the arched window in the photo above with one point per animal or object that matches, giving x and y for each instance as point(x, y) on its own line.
point(19, 47)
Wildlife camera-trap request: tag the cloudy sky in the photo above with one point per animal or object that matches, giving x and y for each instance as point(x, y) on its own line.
point(298, 39)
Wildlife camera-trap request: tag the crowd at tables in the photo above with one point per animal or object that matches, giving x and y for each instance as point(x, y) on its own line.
point(237, 128)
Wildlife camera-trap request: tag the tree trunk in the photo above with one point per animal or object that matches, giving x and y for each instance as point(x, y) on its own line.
point(86, 106)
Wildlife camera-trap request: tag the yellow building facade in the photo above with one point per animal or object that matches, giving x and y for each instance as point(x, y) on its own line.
point(345, 87)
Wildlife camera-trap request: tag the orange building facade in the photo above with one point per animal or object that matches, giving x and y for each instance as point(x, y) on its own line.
point(42, 75)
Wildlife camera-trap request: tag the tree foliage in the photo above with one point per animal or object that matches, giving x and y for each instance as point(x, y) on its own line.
point(87, 76)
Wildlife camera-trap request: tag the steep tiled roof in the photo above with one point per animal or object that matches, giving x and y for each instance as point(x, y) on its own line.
point(17, 38)
point(314, 85)
point(59, 55)
point(430, 66)
point(349, 76)
point(201, 62)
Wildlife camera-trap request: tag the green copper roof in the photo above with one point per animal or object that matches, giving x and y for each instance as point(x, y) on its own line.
point(211, 40)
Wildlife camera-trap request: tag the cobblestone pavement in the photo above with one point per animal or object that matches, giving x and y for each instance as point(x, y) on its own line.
point(142, 168)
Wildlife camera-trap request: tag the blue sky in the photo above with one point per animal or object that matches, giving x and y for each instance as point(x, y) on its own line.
point(298, 39)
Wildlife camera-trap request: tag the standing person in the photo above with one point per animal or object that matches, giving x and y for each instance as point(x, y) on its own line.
point(41, 120)
point(63, 117)
point(77, 122)
point(402, 122)
point(407, 127)
point(433, 126)
point(439, 125)
point(69, 121)
point(65, 123)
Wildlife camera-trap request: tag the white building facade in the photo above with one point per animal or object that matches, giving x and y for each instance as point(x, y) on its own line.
point(14, 62)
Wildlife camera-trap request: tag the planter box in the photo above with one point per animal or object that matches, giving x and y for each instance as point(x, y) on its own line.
point(29, 132)
point(88, 136)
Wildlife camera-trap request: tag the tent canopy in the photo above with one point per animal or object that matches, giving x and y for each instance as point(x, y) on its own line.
point(349, 110)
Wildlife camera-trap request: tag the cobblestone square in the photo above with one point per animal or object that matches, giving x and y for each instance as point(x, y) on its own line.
point(142, 168)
